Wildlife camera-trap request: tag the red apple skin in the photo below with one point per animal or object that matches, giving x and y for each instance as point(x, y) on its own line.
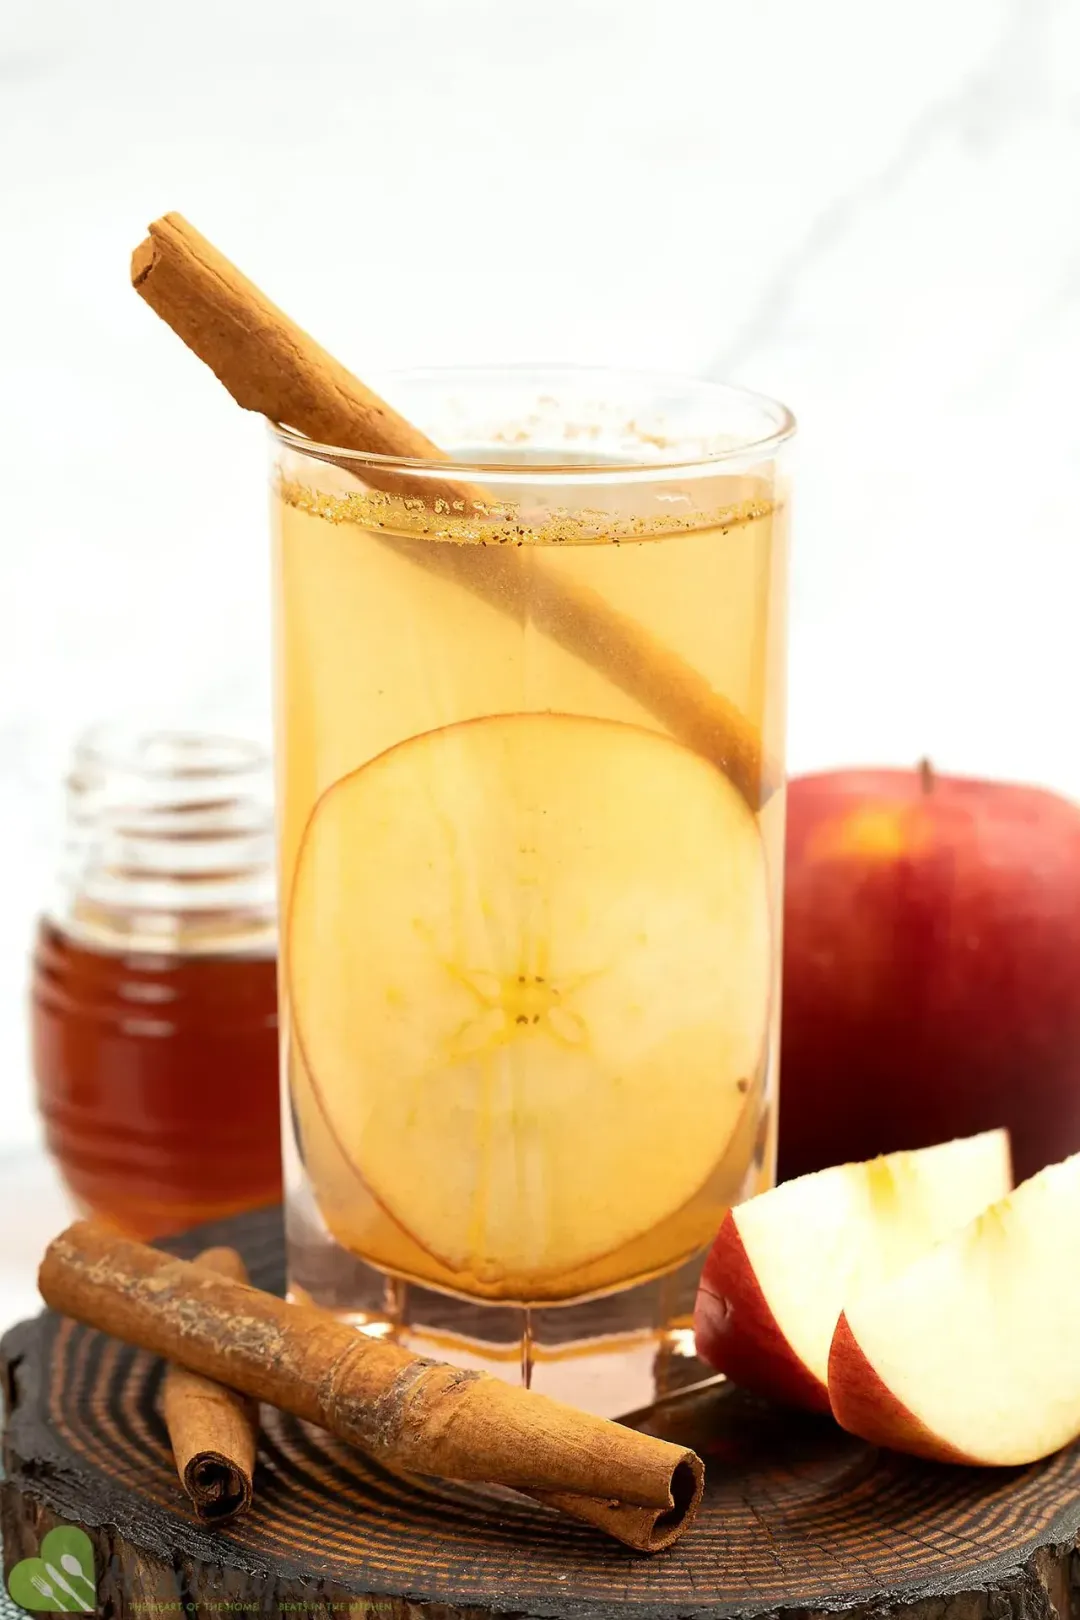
point(931, 967)
point(738, 1334)
point(865, 1406)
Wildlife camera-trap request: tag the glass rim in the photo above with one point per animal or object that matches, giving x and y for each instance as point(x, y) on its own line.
point(765, 444)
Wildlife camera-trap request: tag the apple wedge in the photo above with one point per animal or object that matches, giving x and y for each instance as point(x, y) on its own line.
point(529, 965)
point(972, 1353)
point(784, 1264)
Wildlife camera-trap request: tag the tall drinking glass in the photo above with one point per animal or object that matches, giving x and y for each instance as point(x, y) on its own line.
point(530, 753)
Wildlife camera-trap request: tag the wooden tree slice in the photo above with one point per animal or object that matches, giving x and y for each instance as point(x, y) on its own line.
point(797, 1515)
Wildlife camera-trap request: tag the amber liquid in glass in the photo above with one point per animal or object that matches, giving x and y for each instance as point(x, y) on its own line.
point(502, 1090)
point(156, 1080)
point(154, 1003)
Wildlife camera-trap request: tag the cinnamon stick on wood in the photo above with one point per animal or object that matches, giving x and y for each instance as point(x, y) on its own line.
point(270, 365)
point(212, 1429)
point(409, 1412)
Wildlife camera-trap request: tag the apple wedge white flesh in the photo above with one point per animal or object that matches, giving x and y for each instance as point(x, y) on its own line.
point(784, 1264)
point(972, 1353)
point(529, 964)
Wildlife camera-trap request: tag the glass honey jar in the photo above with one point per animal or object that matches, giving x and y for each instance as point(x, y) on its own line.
point(153, 999)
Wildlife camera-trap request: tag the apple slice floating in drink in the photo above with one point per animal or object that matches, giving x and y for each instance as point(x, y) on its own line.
point(529, 965)
point(972, 1353)
point(786, 1263)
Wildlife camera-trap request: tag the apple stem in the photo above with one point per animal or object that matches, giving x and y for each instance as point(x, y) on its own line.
point(926, 775)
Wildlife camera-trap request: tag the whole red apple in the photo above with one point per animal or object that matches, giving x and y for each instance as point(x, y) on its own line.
point(931, 967)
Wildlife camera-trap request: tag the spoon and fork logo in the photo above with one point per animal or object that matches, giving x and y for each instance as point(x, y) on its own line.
point(61, 1579)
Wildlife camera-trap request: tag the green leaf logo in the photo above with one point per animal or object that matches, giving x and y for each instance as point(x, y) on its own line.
point(61, 1580)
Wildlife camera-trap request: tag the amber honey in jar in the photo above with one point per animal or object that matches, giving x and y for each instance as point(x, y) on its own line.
point(154, 1003)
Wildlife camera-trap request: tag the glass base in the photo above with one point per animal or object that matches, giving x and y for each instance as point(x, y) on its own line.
point(611, 1356)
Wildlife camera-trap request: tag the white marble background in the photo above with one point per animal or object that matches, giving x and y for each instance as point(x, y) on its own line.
point(872, 211)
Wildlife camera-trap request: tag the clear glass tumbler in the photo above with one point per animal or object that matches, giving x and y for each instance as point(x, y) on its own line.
point(531, 801)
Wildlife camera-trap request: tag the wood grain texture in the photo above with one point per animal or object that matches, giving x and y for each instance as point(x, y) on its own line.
point(797, 1515)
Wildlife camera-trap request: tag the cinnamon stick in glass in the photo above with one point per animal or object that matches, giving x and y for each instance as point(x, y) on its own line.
point(408, 1411)
point(270, 365)
point(212, 1429)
